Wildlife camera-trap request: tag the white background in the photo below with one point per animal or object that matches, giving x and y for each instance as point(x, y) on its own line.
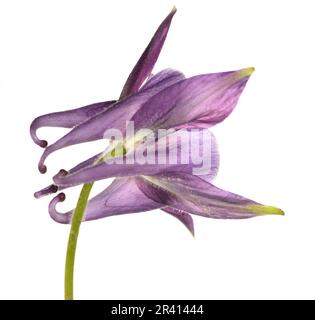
point(56, 55)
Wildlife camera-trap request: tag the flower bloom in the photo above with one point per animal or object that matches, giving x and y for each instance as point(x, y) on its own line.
point(168, 101)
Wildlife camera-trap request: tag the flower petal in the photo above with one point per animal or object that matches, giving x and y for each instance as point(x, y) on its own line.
point(143, 68)
point(53, 188)
point(193, 195)
point(179, 156)
point(66, 119)
point(195, 148)
point(148, 58)
point(115, 117)
point(198, 102)
point(161, 76)
point(183, 217)
point(121, 197)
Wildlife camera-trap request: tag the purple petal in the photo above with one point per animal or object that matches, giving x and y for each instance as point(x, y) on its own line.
point(183, 217)
point(53, 188)
point(115, 117)
point(121, 197)
point(198, 102)
point(66, 119)
point(148, 58)
point(153, 165)
point(160, 77)
point(193, 195)
point(143, 68)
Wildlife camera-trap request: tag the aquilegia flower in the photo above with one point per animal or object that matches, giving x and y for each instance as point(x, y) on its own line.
point(165, 101)
point(196, 102)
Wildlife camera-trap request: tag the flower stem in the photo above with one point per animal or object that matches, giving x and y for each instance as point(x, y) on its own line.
point(73, 237)
point(114, 150)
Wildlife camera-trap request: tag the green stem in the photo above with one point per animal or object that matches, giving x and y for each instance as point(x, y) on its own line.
point(73, 237)
point(115, 150)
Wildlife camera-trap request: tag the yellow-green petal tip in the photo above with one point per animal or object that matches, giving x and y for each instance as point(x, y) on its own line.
point(246, 72)
point(260, 209)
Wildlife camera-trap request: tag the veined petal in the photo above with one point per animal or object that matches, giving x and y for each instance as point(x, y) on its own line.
point(184, 217)
point(54, 188)
point(143, 68)
point(121, 197)
point(115, 117)
point(66, 119)
point(160, 77)
point(177, 154)
point(198, 102)
point(193, 195)
point(148, 58)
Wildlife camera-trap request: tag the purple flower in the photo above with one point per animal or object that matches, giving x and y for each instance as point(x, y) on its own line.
point(166, 101)
point(141, 71)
